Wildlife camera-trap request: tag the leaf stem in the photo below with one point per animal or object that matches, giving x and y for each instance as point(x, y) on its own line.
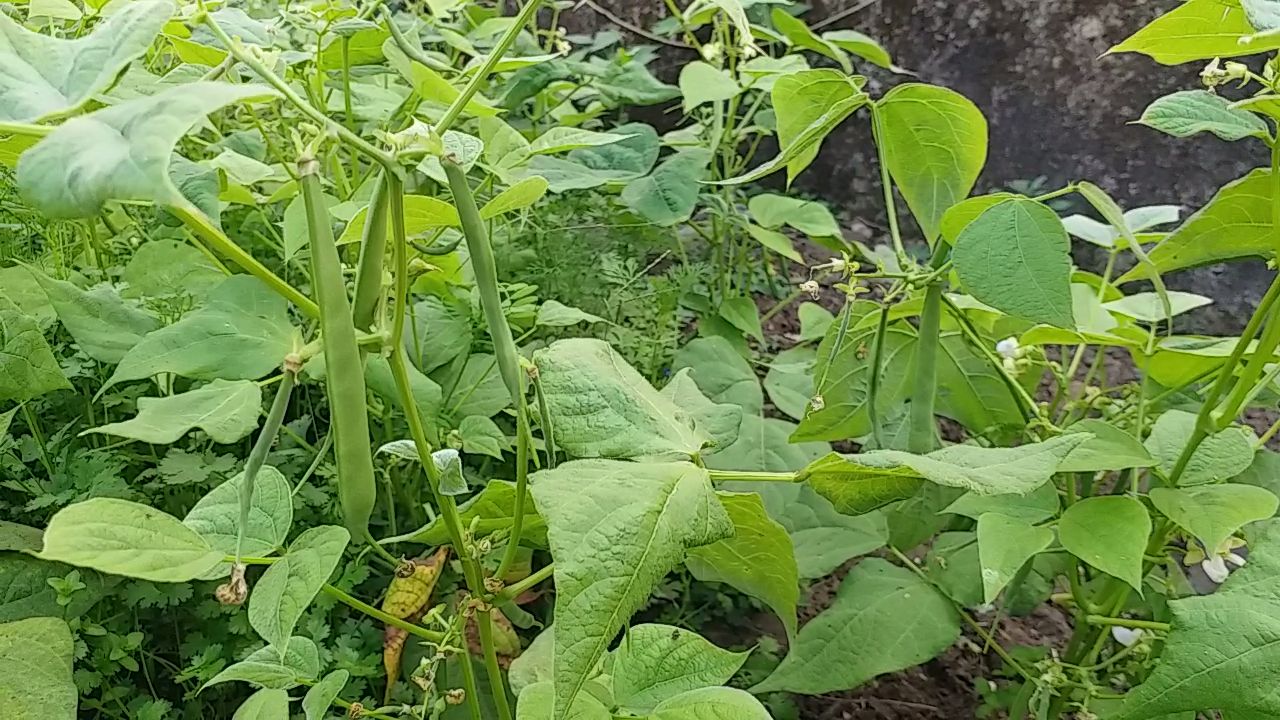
point(203, 227)
point(886, 183)
point(747, 476)
point(373, 612)
point(1128, 623)
point(27, 129)
point(515, 590)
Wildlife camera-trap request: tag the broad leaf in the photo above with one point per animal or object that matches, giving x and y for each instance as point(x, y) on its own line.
point(669, 195)
point(808, 216)
point(1110, 448)
point(36, 657)
point(880, 606)
point(125, 538)
point(491, 509)
point(1016, 258)
point(1150, 308)
point(986, 471)
point(1213, 513)
point(538, 702)
point(482, 436)
point(655, 663)
point(1198, 30)
point(292, 582)
point(721, 423)
point(1236, 223)
point(1005, 544)
point(104, 325)
point(810, 104)
point(934, 142)
point(25, 591)
point(216, 517)
point(269, 667)
point(227, 411)
point(790, 380)
point(517, 197)
point(121, 152)
point(1040, 504)
point(857, 489)
point(602, 407)
point(1224, 648)
point(712, 703)
point(165, 268)
point(28, 368)
point(722, 374)
point(970, 389)
point(615, 530)
point(701, 83)
point(1219, 457)
point(564, 139)
point(319, 698)
point(45, 76)
point(421, 214)
point(632, 156)
point(1186, 113)
point(266, 704)
point(1110, 533)
point(759, 560)
point(242, 333)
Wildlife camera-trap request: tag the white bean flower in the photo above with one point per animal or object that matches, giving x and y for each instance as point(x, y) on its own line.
point(1009, 348)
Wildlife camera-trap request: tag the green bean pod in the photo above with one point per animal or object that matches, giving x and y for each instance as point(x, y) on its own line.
point(373, 250)
point(344, 370)
point(258, 455)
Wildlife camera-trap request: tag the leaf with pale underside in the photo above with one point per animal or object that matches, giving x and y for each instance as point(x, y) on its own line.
point(121, 152)
point(28, 367)
point(655, 663)
point(104, 325)
point(287, 588)
point(615, 529)
point(36, 660)
point(226, 410)
point(1189, 112)
point(46, 76)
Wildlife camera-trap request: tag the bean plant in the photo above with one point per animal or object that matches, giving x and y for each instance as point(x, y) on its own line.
point(263, 344)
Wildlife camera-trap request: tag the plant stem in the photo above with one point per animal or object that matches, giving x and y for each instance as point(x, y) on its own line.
point(744, 476)
point(886, 183)
point(1128, 623)
point(34, 427)
point(373, 612)
point(515, 590)
point(200, 224)
point(484, 623)
point(548, 430)
point(495, 56)
point(922, 436)
point(27, 129)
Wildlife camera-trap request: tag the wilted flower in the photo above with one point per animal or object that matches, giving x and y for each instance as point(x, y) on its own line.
point(712, 52)
point(817, 403)
point(812, 287)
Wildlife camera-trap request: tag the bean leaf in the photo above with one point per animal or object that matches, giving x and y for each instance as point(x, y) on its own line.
point(1213, 513)
point(1005, 544)
point(36, 657)
point(292, 582)
point(105, 326)
point(1198, 30)
point(126, 538)
point(616, 529)
point(1110, 533)
point(1186, 113)
point(121, 152)
point(228, 411)
point(27, 366)
point(654, 663)
point(46, 75)
point(217, 515)
point(1220, 456)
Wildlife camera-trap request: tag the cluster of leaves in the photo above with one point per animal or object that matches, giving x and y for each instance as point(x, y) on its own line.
point(569, 477)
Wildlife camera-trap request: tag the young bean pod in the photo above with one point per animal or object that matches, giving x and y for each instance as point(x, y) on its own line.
point(344, 371)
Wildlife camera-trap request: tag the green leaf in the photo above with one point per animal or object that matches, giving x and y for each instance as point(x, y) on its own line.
point(602, 407)
point(537, 702)
point(292, 582)
point(1213, 513)
point(799, 35)
point(669, 195)
point(632, 156)
point(856, 489)
point(1219, 457)
point(517, 197)
point(22, 288)
point(318, 700)
point(631, 83)
point(655, 663)
point(1149, 307)
point(36, 657)
point(534, 665)
point(121, 152)
point(789, 381)
point(227, 410)
point(1186, 113)
point(421, 214)
point(563, 139)
point(970, 389)
point(449, 462)
point(721, 373)
point(1016, 258)
point(880, 606)
point(28, 368)
point(809, 104)
point(266, 667)
point(216, 517)
point(266, 704)
point(1037, 505)
point(125, 538)
point(775, 241)
point(427, 395)
point(721, 423)
point(742, 314)
point(47, 76)
point(242, 333)
point(1110, 448)
point(1198, 30)
point(493, 508)
point(864, 46)
point(436, 332)
point(166, 268)
point(1110, 533)
point(701, 83)
point(934, 142)
point(808, 216)
point(711, 703)
point(104, 326)
point(843, 380)
point(758, 560)
point(1223, 650)
point(1236, 223)
point(986, 471)
point(1005, 544)
point(482, 436)
point(1263, 15)
point(615, 530)
point(25, 591)
point(554, 313)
